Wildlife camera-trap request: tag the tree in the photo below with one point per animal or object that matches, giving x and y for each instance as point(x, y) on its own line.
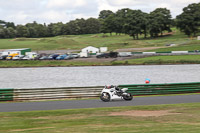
point(22, 31)
point(144, 23)
point(92, 26)
point(12, 32)
point(104, 14)
point(189, 21)
point(136, 23)
point(160, 21)
point(2, 33)
point(2, 23)
point(37, 30)
point(109, 24)
point(10, 24)
point(121, 18)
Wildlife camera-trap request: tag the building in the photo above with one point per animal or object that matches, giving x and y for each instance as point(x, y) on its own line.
point(19, 51)
point(90, 49)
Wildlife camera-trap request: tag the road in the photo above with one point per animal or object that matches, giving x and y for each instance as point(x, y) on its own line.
point(77, 104)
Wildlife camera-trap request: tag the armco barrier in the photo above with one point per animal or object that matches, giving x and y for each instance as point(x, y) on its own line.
point(56, 93)
point(154, 89)
point(6, 94)
point(87, 92)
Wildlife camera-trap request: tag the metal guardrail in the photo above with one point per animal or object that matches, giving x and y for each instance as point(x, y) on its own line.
point(94, 91)
point(6, 94)
point(56, 93)
point(155, 89)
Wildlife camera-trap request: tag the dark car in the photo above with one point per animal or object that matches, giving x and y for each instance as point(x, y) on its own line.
point(53, 56)
point(113, 54)
point(103, 55)
point(107, 55)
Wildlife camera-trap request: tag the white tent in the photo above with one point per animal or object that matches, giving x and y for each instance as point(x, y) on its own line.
point(90, 49)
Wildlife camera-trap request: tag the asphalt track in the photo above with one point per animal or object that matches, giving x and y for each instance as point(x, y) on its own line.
point(77, 104)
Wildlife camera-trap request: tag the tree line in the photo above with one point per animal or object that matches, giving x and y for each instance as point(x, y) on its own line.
point(125, 21)
point(35, 30)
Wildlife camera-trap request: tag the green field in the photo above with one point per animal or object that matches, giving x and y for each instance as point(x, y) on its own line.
point(102, 40)
point(179, 118)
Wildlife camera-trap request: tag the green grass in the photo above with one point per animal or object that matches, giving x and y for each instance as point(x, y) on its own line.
point(54, 63)
point(175, 59)
point(190, 46)
point(183, 118)
point(101, 40)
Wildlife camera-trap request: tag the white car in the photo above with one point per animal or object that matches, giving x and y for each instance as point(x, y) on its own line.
point(75, 55)
point(18, 57)
point(26, 58)
point(124, 54)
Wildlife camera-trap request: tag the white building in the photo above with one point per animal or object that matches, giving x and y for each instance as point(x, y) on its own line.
point(19, 51)
point(90, 49)
point(198, 38)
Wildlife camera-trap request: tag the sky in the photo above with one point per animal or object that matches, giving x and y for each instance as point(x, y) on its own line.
point(53, 11)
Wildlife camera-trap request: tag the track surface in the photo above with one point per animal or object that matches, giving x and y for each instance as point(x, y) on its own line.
point(77, 104)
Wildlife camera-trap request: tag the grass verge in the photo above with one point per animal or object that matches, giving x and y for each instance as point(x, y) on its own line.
point(155, 60)
point(180, 118)
point(158, 60)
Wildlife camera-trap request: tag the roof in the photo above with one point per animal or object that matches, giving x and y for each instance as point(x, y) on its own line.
point(90, 47)
point(16, 49)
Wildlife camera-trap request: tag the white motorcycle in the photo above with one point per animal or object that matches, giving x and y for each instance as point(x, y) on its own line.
point(114, 92)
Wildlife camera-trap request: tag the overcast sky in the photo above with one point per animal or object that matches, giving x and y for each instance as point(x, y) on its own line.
point(52, 11)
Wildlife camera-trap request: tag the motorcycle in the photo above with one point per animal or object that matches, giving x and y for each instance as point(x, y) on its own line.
point(114, 92)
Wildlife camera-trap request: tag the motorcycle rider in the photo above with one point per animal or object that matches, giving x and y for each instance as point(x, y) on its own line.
point(118, 90)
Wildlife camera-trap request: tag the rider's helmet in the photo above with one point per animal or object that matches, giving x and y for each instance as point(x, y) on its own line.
point(109, 86)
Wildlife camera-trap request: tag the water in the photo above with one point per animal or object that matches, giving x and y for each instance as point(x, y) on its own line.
point(96, 76)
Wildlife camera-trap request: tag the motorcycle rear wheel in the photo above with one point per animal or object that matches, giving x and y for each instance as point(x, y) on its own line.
point(128, 97)
point(105, 97)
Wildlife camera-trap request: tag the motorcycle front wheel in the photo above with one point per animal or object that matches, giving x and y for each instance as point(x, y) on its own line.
point(105, 97)
point(128, 97)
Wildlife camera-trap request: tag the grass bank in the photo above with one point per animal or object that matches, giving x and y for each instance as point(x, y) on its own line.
point(46, 63)
point(154, 60)
point(102, 40)
point(179, 118)
point(158, 60)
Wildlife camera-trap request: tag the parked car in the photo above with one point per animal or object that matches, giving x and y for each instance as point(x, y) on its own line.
point(53, 56)
point(26, 58)
point(113, 54)
point(75, 55)
point(3, 57)
point(39, 56)
point(103, 55)
point(68, 57)
point(18, 57)
point(10, 56)
point(61, 57)
point(124, 54)
point(44, 57)
point(107, 55)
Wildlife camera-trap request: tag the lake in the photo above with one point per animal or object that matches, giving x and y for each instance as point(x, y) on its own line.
point(43, 77)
